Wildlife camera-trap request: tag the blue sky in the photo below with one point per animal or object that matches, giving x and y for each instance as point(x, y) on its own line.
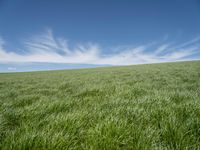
point(60, 34)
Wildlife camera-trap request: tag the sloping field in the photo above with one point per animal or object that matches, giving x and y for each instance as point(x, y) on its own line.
point(136, 107)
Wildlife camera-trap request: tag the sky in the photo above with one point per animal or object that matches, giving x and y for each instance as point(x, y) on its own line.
point(70, 34)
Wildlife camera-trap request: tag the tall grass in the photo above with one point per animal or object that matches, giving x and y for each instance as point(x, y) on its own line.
point(136, 107)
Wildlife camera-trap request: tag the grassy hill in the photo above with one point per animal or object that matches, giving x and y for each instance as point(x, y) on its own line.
point(135, 107)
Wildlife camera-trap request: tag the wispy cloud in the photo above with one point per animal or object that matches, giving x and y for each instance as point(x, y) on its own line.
point(48, 48)
point(12, 68)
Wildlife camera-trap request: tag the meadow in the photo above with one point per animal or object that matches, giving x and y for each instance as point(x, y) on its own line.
point(141, 107)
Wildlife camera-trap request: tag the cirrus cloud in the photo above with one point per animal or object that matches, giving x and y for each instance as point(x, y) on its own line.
point(48, 48)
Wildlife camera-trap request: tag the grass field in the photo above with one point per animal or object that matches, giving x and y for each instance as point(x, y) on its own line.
point(135, 107)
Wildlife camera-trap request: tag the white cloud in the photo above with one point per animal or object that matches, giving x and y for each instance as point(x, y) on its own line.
point(48, 48)
point(162, 48)
point(12, 68)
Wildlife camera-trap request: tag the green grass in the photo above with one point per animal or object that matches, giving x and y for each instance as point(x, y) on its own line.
point(135, 107)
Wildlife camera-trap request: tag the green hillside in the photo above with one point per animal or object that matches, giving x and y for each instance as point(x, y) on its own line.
point(153, 106)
